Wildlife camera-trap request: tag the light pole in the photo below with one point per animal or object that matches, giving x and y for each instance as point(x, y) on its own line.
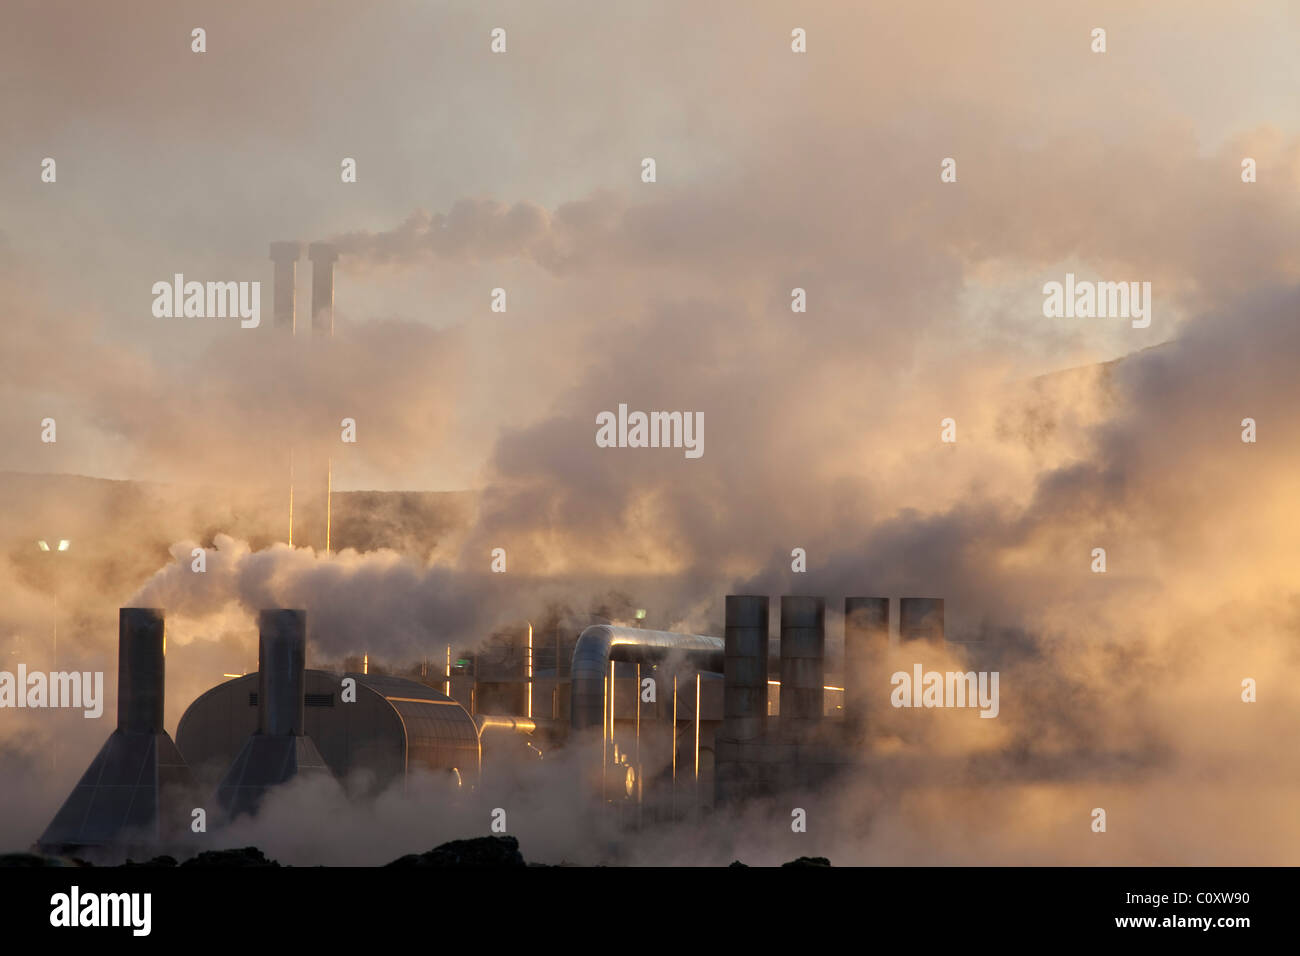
point(63, 545)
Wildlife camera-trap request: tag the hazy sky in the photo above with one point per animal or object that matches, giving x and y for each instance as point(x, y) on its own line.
point(774, 170)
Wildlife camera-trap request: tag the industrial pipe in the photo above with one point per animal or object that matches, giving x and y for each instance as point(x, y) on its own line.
point(601, 644)
point(521, 725)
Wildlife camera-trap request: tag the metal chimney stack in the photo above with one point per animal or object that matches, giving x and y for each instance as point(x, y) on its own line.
point(285, 255)
point(866, 629)
point(134, 791)
point(141, 677)
point(803, 648)
point(738, 744)
point(279, 750)
point(920, 619)
point(323, 256)
point(281, 672)
point(744, 691)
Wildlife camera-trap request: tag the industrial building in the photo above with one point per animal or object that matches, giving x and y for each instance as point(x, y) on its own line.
point(665, 724)
point(395, 726)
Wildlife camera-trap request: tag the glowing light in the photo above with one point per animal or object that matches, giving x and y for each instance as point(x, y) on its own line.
point(824, 686)
point(697, 729)
point(291, 499)
point(64, 544)
point(329, 498)
point(42, 545)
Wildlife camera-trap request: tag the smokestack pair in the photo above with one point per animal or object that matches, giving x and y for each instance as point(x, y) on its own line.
point(323, 255)
point(285, 255)
point(134, 791)
point(803, 665)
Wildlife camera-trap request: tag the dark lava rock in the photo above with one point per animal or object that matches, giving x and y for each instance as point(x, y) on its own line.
point(36, 859)
point(809, 861)
point(737, 863)
point(479, 851)
point(248, 856)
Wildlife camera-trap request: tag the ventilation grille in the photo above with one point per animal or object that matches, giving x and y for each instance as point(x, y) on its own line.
point(311, 700)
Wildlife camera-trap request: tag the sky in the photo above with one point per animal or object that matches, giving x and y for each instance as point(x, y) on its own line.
point(775, 170)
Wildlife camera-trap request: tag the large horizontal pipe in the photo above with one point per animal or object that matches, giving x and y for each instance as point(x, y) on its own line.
point(602, 643)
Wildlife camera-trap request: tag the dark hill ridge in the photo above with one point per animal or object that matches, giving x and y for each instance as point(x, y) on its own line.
point(485, 851)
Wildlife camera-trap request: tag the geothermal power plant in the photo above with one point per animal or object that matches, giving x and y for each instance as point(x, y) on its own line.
point(657, 725)
point(664, 725)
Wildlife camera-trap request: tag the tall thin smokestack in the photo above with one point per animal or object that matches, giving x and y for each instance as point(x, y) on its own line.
point(285, 255)
point(803, 649)
point(135, 791)
point(866, 631)
point(920, 619)
point(323, 256)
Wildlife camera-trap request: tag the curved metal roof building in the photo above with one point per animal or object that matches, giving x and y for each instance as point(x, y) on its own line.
point(394, 726)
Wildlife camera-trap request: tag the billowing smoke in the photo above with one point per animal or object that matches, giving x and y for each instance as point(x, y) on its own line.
point(776, 172)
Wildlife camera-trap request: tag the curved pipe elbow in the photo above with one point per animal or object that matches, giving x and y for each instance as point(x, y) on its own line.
point(600, 644)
